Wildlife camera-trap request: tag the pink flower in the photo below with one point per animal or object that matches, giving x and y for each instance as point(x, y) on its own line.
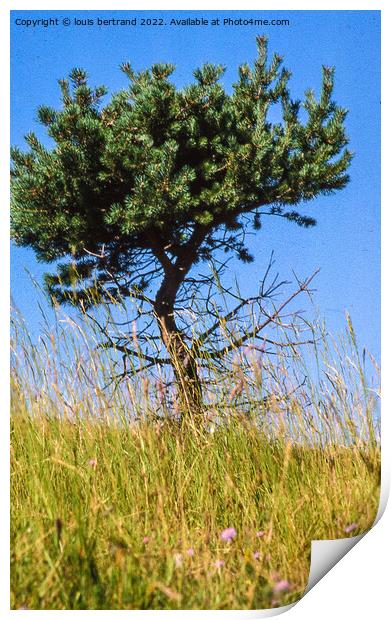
point(161, 389)
point(93, 463)
point(228, 534)
point(219, 563)
point(236, 390)
point(146, 540)
point(256, 555)
point(351, 528)
point(260, 534)
point(281, 586)
point(178, 560)
point(190, 552)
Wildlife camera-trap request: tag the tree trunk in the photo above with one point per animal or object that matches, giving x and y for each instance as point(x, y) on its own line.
point(182, 360)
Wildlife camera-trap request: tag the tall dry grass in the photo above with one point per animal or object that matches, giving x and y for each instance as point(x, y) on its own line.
point(115, 505)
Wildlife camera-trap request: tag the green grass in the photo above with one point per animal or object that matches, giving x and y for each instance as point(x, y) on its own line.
point(106, 507)
point(85, 494)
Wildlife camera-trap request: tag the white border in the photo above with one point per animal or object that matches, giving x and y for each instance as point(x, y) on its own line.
point(359, 585)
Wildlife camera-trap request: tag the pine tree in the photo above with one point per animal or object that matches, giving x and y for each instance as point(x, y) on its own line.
point(136, 192)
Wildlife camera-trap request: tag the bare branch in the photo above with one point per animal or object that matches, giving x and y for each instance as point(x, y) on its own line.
point(123, 349)
point(238, 342)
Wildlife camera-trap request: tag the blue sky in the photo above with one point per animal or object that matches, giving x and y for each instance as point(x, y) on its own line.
point(346, 241)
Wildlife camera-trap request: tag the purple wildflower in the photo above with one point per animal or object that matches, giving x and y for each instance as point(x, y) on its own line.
point(146, 540)
point(228, 534)
point(260, 534)
point(256, 555)
point(351, 528)
point(281, 586)
point(219, 563)
point(190, 552)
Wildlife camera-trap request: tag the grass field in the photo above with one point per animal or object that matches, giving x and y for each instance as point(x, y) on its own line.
point(114, 512)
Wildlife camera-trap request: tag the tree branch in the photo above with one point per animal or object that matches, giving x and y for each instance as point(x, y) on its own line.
point(238, 342)
point(110, 344)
